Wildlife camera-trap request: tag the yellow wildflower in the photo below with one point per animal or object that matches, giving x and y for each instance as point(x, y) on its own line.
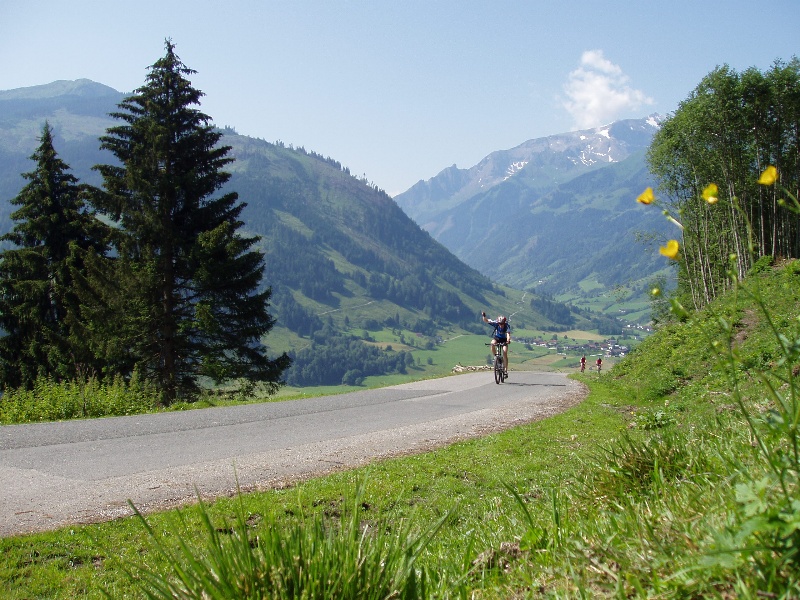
point(671, 249)
point(710, 193)
point(646, 197)
point(769, 176)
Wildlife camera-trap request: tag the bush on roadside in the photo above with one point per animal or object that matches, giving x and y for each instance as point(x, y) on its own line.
point(77, 399)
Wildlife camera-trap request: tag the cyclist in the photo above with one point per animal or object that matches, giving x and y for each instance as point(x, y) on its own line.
point(583, 363)
point(599, 364)
point(500, 335)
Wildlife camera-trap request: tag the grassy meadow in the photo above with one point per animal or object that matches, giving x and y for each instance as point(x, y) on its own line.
point(677, 477)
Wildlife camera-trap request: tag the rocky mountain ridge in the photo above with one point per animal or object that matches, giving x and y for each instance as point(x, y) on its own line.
point(506, 215)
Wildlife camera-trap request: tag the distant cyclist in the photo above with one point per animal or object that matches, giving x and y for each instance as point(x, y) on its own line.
point(599, 364)
point(583, 363)
point(500, 335)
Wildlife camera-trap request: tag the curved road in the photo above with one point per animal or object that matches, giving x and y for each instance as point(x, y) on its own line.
point(56, 474)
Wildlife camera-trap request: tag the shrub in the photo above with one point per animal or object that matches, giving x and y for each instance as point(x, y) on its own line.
point(649, 419)
point(77, 399)
point(762, 264)
point(634, 463)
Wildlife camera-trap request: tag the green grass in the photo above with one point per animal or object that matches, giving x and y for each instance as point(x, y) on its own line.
point(590, 283)
point(675, 478)
point(466, 478)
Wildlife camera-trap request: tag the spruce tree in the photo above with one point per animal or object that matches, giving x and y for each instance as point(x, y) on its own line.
point(39, 310)
point(194, 305)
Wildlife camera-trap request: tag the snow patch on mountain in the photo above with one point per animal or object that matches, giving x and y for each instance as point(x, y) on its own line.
point(515, 167)
point(551, 157)
point(655, 120)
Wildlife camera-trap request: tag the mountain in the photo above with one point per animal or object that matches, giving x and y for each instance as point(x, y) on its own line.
point(308, 202)
point(555, 213)
point(77, 110)
point(341, 257)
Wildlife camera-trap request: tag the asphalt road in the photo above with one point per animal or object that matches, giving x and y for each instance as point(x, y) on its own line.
point(56, 474)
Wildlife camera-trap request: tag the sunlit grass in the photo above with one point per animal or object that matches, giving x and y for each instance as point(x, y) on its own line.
point(639, 491)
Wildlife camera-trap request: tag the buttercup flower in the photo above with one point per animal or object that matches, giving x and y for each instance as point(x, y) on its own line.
point(646, 197)
point(671, 249)
point(710, 193)
point(769, 176)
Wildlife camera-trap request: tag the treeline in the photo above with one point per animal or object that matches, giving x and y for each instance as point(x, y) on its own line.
point(334, 359)
point(298, 264)
point(566, 317)
point(604, 324)
point(293, 315)
point(729, 129)
point(557, 312)
point(417, 291)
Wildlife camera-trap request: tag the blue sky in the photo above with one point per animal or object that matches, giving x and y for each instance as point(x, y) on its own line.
point(398, 91)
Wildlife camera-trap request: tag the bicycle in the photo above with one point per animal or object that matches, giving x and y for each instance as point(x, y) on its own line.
point(499, 370)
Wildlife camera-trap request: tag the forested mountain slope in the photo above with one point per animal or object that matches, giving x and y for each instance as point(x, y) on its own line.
point(552, 214)
point(341, 256)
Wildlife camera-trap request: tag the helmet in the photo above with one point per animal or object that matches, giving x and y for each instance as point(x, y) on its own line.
point(501, 319)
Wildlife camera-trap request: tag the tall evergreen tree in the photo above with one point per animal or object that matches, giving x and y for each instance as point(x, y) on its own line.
point(192, 305)
point(39, 310)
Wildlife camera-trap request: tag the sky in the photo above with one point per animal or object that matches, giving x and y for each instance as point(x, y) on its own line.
point(397, 91)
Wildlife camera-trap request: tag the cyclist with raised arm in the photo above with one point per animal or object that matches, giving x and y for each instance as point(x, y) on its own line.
point(500, 335)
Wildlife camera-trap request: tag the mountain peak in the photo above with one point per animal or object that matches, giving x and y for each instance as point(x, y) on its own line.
point(85, 88)
point(546, 160)
point(542, 214)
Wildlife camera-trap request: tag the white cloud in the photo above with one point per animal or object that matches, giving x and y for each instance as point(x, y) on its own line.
point(597, 92)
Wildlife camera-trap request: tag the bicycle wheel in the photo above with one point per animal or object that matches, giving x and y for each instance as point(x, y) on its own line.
point(498, 369)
